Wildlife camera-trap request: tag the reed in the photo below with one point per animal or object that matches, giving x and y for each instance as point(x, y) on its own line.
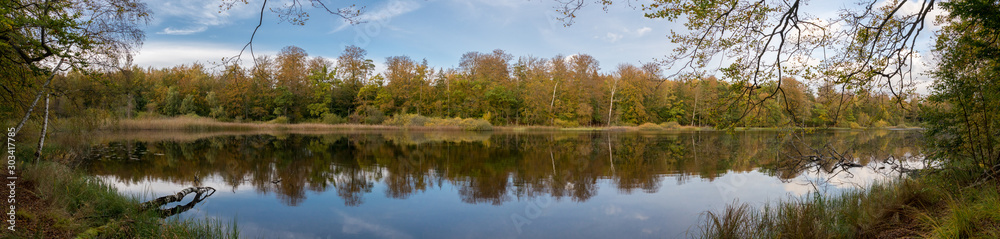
point(938, 206)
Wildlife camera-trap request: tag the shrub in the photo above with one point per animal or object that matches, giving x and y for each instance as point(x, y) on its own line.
point(476, 125)
point(367, 115)
point(218, 113)
point(374, 119)
point(650, 127)
point(279, 120)
point(880, 124)
point(417, 120)
point(331, 118)
point(854, 125)
point(566, 123)
point(444, 122)
point(670, 125)
point(152, 107)
point(407, 120)
point(864, 119)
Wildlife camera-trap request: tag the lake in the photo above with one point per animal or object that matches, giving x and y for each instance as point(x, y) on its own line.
point(492, 184)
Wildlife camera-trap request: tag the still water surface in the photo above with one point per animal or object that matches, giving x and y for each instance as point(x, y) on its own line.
point(491, 185)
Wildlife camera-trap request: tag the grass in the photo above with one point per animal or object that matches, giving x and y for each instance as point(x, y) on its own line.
point(190, 123)
point(935, 206)
point(399, 122)
point(57, 202)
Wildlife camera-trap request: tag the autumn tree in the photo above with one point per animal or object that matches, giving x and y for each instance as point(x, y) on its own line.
point(41, 38)
point(405, 85)
point(291, 78)
point(353, 71)
point(766, 42)
point(533, 73)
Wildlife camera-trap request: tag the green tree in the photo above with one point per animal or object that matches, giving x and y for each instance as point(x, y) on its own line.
point(967, 81)
point(353, 70)
point(188, 105)
point(172, 103)
point(39, 38)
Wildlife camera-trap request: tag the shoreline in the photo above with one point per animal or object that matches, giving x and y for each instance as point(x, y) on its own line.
point(187, 123)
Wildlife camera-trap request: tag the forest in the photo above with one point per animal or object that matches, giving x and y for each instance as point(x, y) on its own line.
point(564, 91)
point(71, 60)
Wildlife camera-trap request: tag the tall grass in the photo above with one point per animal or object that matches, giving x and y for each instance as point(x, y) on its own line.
point(61, 203)
point(923, 207)
point(415, 121)
point(194, 123)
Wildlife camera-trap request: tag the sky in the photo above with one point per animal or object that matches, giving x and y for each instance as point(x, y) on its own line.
point(440, 31)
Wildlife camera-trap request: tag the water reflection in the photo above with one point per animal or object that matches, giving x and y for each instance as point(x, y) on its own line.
point(485, 168)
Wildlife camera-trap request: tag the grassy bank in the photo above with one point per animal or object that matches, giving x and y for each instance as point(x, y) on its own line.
point(940, 205)
point(400, 122)
point(53, 201)
point(208, 124)
point(410, 122)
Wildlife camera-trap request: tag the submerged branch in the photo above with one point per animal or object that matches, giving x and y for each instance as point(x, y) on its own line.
point(201, 193)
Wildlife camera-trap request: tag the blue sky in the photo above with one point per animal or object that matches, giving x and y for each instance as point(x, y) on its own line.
point(437, 30)
point(186, 31)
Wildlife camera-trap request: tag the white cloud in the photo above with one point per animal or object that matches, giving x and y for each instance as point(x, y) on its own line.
point(168, 54)
point(642, 31)
point(481, 7)
point(186, 31)
point(797, 189)
point(569, 58)
point(354, 225)
point(384, 14)
point(612, 210)
point(913, 7)
point(192, 16)
point(613, 37)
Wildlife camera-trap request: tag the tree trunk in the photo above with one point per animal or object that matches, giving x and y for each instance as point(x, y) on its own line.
point(695, 111)
point(611, 107)
point(198, 191)
point(45, 127)
point(38, 97)
point(553, 103)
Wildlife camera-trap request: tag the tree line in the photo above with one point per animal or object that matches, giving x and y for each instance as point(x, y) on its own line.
point(566, 91)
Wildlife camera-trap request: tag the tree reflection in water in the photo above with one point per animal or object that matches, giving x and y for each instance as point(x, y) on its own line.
point(487, 168)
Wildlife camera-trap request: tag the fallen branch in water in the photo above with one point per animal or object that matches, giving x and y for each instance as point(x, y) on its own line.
point(200, 194)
